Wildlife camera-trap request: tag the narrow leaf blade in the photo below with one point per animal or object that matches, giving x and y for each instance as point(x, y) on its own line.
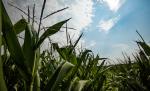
point(50, 31)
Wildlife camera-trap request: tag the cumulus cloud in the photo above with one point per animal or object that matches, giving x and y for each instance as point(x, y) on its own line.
point(81, 12)
point(106, 25)
point(113, 5)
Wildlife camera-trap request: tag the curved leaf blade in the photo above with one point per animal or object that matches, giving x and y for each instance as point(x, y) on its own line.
point(145, 47)
point(28, 51)
point(20, 26)
point(2, 81)
point(13, 43)
point(50, 31)
point(79, 85)
point(58, 76)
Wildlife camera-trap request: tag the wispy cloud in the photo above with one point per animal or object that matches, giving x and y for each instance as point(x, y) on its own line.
point(121, 46)
point(106, 25)
point(113, 5)
point(91, 44)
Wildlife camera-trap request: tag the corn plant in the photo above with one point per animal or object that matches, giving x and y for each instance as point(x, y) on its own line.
point(26, 68)
point(26, 57)
point(79, 78)
point(132, 75)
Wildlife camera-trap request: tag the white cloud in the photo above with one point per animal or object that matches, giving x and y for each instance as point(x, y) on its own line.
point(82, 12)
point(91, 44)
point(86, 44)
point(106, 25)
point(113, 5)
point(121, 46)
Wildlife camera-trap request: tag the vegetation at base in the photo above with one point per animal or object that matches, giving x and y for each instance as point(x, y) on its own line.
point(26, 68)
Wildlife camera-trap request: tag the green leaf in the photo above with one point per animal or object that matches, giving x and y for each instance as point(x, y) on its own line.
point(58, 76)
point(13, 44)
point(50, 31)
point(20, 26)
point(32, 56)
point(2, 81)
point(75, 44)
point(145, 47)
point(28, 50)
point(83, 56)
point(64, 53)
point(61, 51)
point(36, 84)
point(72, 82)
point(79, 85)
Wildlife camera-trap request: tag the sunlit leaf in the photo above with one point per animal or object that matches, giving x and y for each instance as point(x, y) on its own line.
point(79, 85)
point(58, 76)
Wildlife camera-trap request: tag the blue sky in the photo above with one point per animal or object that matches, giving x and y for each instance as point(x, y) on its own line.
point(109, 26)
point(132, 15)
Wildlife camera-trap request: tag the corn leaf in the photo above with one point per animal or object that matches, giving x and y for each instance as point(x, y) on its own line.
point(2, 81)
point(20, 26)
point(61, 51)
point(36, 84)
point(145, 47)
point(13, 43)
point(50, 31)
point(28, 51)
point(72, 83)
point(35, 73)
point(58, 76)
point(79, 85)
point(75, 44)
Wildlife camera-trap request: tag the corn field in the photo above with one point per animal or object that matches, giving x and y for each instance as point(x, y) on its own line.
point(27, 68)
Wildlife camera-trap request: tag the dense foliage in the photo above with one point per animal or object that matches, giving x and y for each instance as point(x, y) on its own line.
point(26, 68)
